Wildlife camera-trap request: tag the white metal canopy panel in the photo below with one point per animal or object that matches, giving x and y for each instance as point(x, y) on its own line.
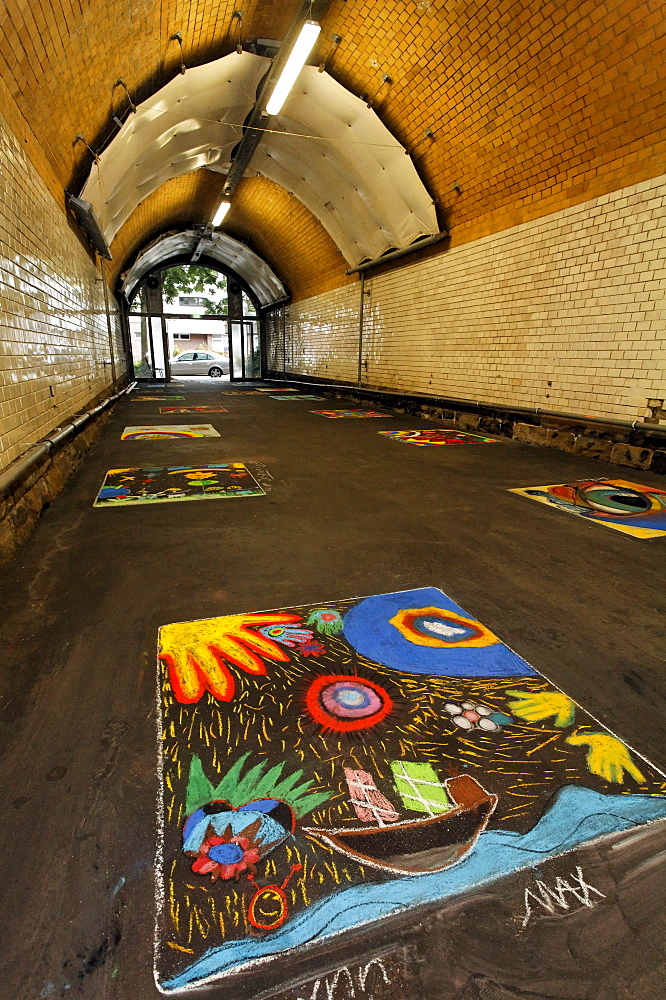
point(236, 256)
point(342, 163)
point(356, 178)
point(192, 121)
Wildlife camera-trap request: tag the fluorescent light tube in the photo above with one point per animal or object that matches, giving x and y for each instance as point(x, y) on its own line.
point(222, 210)
point(293, 66)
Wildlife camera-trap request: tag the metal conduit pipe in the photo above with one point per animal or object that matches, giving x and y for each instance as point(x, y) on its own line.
point(22, 465)
point(449, 401)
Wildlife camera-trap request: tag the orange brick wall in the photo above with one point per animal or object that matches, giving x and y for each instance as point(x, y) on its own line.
point(270, 220)
point(535, 106)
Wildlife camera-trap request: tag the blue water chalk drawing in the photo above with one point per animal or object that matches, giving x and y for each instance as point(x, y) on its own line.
point(577, 815)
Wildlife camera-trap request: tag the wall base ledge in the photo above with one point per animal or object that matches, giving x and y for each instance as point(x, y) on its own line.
point(636, 445)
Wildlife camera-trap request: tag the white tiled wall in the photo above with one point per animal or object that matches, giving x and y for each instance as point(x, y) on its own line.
point(567, 313)
point(53, 329)
point(322, 335)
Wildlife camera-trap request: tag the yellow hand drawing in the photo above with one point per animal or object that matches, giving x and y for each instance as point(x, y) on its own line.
point(197, 653)
point(538, 705)
point(608, 756)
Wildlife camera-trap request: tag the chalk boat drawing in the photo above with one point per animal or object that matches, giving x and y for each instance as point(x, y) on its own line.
point(174, 484)
point(354, 414)
point(412, 847)
point(632, 508)
point(437, 436)
point(154, 432)
point(326, 766)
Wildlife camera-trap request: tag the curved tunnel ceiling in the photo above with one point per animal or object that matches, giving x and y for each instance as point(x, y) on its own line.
point(343, 164)
point(236, 256)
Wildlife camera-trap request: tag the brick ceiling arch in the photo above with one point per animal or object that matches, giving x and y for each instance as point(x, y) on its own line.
point(273, 223)
point(532, 106)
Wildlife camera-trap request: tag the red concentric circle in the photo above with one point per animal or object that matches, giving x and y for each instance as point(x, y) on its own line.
point(345, 703)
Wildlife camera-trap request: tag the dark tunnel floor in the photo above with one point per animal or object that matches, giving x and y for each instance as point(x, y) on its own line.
point(346, 513)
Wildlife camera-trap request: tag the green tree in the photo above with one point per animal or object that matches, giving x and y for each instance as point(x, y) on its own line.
point(188, 278)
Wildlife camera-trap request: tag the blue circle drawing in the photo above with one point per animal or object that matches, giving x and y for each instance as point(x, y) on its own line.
point(367, 627)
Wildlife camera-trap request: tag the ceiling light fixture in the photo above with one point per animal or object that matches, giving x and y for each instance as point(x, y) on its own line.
point(222, 210)
point(293, 66)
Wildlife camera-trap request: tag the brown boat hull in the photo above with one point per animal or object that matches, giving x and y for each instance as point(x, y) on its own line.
point(419, 846)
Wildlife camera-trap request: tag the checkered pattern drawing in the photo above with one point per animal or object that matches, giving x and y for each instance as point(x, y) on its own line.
point(419, 787)
point(368, 801)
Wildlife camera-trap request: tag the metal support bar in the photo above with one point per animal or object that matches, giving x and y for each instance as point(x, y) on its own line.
point(108, 319)
point(251, 134)
point(360, 330)
point(274, 305)
point(427, 242)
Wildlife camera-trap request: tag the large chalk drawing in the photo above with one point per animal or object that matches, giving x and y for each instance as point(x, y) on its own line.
point(437, 436)
point(632, 508)
point(325, 766)
point(153, 432)
point(125, 487)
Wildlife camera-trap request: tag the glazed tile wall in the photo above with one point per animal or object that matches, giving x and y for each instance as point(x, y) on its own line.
point(322, 335)
point(53, 330)
point(566, 313)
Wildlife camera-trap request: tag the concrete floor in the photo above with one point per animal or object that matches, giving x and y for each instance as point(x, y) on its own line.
point(349, 513)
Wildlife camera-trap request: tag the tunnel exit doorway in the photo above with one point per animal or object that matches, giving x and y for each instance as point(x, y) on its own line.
point(167, 343)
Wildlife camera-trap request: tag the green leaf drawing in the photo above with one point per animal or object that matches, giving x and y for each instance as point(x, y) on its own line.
point(238, 788)
point(199, 788)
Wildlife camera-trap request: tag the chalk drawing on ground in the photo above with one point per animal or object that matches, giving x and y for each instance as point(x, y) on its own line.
point(438, 436)
point(353, 414)
point(631, 508)
point(125, 487)
point(155, 432)
point(326, 766)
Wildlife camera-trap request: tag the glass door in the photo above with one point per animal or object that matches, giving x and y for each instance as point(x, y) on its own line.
point(236, 350)
point(150, 357)
point(251, 349)
point(244, 349)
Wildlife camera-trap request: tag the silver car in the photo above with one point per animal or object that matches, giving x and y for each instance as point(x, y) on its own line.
point(201, 362)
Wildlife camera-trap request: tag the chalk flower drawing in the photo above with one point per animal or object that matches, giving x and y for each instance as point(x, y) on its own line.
point(468, 715)
point(412, 759)
point(225, 857)
point(325, 620)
